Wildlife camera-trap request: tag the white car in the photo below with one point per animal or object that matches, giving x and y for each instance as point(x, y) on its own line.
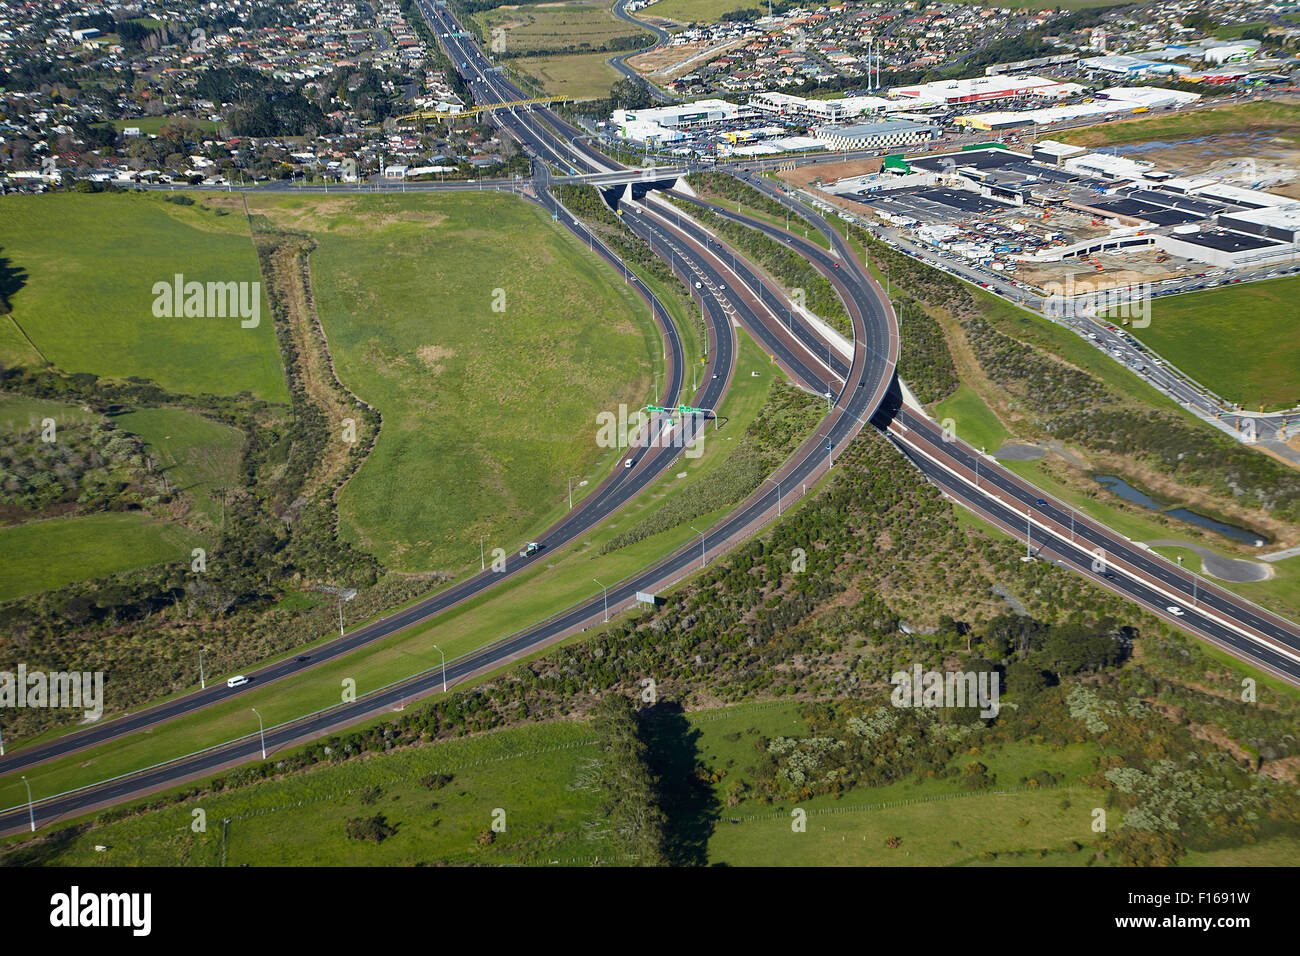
point(239, 681)
point(1175, 610)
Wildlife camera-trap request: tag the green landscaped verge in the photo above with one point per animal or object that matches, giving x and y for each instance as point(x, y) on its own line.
point(200, 457)
point(88, 299)
point(1239, 341)
point(975, 423)
point(43, 555)
point(1192, 124)
point(529, 772)
point(563, 580)
point(489, 369)
point(972, 421)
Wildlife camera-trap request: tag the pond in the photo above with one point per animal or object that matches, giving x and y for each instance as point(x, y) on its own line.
point(1126, 491)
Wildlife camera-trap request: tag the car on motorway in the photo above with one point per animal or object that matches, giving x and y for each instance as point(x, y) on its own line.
point(631, 461)
point(531, 548)
point(301, 659)
point(1175, 610)
point(1040, 502)
point(699, 285)
point(239, 681)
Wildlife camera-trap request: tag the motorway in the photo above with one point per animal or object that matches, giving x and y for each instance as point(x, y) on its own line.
point(808, 465)
point(867, 391)
point(1165, 589)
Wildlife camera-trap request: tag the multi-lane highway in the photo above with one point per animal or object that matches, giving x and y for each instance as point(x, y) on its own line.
point(1165, 589)
point(863, 388)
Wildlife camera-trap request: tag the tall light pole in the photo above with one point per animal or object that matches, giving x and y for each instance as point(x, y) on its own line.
point(203, 681)
point(570, 480)
point(606, 592)
point(31, 805)
point(262, 732)
point(701, 534)
point(444, 667)
point(482, 555)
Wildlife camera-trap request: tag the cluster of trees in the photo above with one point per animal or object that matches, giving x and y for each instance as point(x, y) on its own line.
point(629, 93)
point(720, 186)
point(260, 105)
point(924, 359)
point(630, 800)
point(272, 539)
point(91, 467)
point(1191, 454)
point(617, 44)
point(1038, 381)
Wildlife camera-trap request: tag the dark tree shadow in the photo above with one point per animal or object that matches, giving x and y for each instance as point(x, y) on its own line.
point(689, 802)
point(11, 280)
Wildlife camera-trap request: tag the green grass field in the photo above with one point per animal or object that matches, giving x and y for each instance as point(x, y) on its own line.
point(1236, 118)
point(691, 11)
point(581, 76)
point(20, 413)
point(534, 775)
point(91, 263)
point(48, 554)
point(198, 456)
point(528, 773)
point(1239, 341)
point(565, 579)
point(973, 422)
point(485, 413)
point(569, 27)
point(152, 124)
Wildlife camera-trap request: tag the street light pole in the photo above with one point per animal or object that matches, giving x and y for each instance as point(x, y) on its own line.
point(31, 805)
point(444, 667)
point(701, 534)
point(570, 480)
point(778, 494)
point(482, 555)
point(606, 595)
point(261, 731)
point(203, 681)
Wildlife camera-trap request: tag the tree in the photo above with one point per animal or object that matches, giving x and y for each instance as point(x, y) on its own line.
point(630, 798)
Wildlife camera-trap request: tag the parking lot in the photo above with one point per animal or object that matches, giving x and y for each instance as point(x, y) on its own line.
point(932, 204)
